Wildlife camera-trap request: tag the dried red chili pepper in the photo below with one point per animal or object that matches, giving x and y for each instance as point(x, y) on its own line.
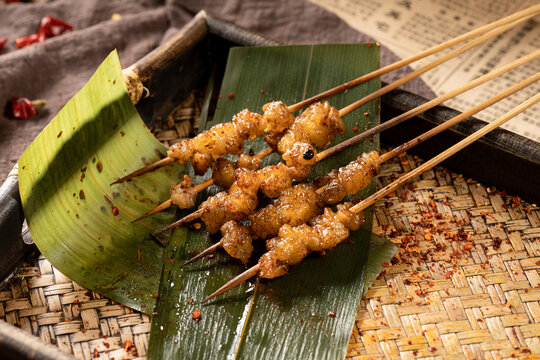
point(28, 40)
point(49, 27)
point(3, 41)
point(20, 108)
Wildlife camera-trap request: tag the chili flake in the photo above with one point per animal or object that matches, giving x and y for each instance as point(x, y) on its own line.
point(231, 95)
point(128, 344)
point(331, 314)
point(196, 314)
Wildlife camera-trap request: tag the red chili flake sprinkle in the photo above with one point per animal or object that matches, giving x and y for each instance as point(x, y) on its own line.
point(331, 314)
point(262, 91)
point(3, 41)
point(432, 349)
point(415, 352)
point(355, 129)
point(18, 324)
point(107, 345)
point(139, 255)
point(128, 344)
point(196, 314)
point(366, 114)
point(386, 264)
point(115, 211)
point(155, 296)
point(369, 43)
point(231, 95)
point(409, 342)
point(95, 354)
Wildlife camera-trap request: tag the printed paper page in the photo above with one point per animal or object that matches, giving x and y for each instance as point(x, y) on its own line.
point(407, 27)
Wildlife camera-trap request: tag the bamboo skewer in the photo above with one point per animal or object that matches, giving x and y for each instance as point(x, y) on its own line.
point(402, 148)
point(531, 11)
point(402, 180)
point(419, 139)
point(165, 161)
point(430, 66)
point(488, 32)
point(386, 125)
point(432, 103)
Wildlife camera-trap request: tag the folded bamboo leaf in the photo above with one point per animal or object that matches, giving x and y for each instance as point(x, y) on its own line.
point(309, 313)
point(380, 251)
point(78, 221)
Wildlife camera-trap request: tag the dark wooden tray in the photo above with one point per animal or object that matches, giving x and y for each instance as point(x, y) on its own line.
point(502, 159)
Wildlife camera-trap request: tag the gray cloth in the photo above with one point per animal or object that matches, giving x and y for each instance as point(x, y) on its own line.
point(57, 68)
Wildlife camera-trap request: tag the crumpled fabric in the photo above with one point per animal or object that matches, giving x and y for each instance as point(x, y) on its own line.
point(57, 68)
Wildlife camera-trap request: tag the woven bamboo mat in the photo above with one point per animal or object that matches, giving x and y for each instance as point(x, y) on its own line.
point(464, 284)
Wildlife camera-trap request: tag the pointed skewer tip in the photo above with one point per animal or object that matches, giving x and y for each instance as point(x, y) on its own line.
point(234, 282)
point(203, 253)
point(165, 161)
point(185, 219)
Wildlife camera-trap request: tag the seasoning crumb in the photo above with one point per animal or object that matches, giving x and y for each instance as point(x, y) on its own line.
point(231, 95)
point(59, 134)
point(115, 211)
point(196, 314)
point(366, 114)
point(331, 314)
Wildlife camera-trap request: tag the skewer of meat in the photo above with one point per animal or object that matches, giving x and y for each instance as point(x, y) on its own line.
point(248, 125)
point(183, 194)
point(318, 125)
point(221, 208)
point(300, 203)
point(328, 230)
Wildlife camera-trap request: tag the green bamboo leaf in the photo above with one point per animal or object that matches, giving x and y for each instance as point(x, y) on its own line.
point(380, 251)
point(80, 222)
point(286, 317)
